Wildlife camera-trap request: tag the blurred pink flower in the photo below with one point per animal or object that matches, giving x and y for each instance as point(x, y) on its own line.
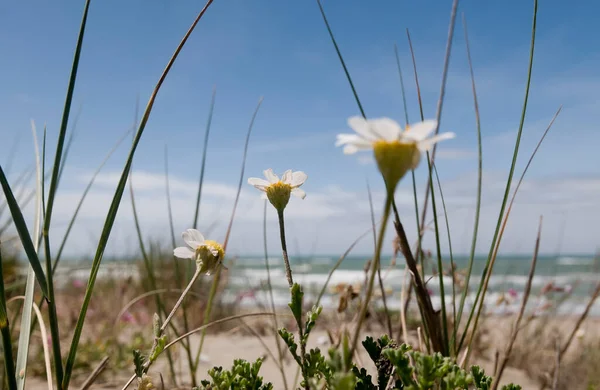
point(128, 318)
point(547, 288)
point(512, 293)
point(78, 283)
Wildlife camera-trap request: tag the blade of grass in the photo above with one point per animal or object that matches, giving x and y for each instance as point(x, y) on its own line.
point(160, 307)
point(83, 196)
point(110, 218)
point(501, 233)
point(516, 325)
point(439, 184)
point(53, 318)
point(9, 362)
point(440, 102)
point(178, 273)
point(216, 278)
point(26, 325)
point(204, 151)
point(511, 171)
point(22, 178)
point(21, 227)
point(69, 144)
point(479, 189)
point(440, 266)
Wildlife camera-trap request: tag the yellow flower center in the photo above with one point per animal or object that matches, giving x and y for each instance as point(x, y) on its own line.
point(394, 159)
point(206, 259)
point(279, 194)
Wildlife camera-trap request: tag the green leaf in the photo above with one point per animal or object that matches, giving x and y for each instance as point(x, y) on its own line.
point(138, 362)
point(296, 303)
point(21, 227)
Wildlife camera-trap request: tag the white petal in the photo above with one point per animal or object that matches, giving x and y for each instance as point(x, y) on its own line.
point(264, 196)
point(386, 128)
point(298, 178)
point(361, 126)
point(299, 193)
point(350, 149)
point(271, 177)
point(287, 176)
point(420, 131)
point(343, 139)
point(261, 184)
point(193, 238)
point(184, 253)
point(428, 143)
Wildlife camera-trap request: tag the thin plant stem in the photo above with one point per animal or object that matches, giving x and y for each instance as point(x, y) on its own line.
point(502, 229)
point(270, 287)
point(286, 260)
point(440, 102)
point(149, 271)
point(203, 164)
point(215, 283)
point(479, 190)
point(385, 307)
point(288, 274)
point(439, 263)
point(180, 300)
point(375, 263)
point(178, 273)
point(492, 260)
point(516, 325)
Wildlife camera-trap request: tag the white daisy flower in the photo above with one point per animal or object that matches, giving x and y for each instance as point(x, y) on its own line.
point(396, 151)
point(208, 254)
point(277, 190)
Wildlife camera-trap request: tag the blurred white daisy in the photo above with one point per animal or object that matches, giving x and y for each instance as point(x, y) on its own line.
point(396, 151)
point(278, 190)
point(208, 254)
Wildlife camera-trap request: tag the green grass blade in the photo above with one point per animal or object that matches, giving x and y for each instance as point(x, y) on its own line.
point(21, 227)
point(82, 199)
point(339, 53)
point(114, 207)
point(22, 178)
point(463, 298)
point(53, 317)
point(440, 103)
point(26, 323)
point(9, 362)
point(202, 166)
point(69, 144)
point(440, 266)
point(217, 274)
point(505, 220)
point(439, 184)
point(511, 171)
point(160, 307)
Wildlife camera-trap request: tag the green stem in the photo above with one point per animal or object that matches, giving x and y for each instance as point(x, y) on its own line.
point(374, 267)
point(270, 287)
point(286, 260)
point(207, 311)
point(288, 274)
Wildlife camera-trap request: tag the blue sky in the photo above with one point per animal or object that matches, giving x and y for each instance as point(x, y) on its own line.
point(281, 50)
